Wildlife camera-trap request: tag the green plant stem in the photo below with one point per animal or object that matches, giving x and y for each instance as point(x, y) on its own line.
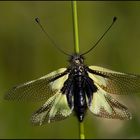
point(76, 49)
point(75, 27)
point(82, 134)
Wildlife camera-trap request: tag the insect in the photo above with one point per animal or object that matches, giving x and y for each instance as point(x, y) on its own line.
point(77, 88)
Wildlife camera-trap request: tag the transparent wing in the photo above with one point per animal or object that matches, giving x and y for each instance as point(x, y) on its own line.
point(103, 105)
point(55, 109)
point(39, 89)
point(115, 82)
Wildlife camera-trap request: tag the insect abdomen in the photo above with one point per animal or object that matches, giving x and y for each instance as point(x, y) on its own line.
point(80, 105)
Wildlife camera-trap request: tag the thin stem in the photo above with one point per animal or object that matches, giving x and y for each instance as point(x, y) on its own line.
point(82, 134)
point(75, 27)
point(76, 49)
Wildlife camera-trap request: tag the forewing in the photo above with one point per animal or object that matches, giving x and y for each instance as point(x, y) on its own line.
point(103, 105)
point(39, 89)
point(55, 109)
point(115, 82)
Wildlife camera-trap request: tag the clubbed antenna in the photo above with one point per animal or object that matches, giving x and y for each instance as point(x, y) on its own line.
point(52, 41)
point(114, 19)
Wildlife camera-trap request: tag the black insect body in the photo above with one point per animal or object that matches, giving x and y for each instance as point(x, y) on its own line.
point(78, 86)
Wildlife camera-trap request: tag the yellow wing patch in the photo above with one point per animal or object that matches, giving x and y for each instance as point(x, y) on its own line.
point(103, 105)
point(55, 109)
point(97, 68)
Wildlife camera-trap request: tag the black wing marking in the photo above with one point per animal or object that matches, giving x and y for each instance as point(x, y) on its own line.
point(55, 109)
point(115, 82)
point(39, 89)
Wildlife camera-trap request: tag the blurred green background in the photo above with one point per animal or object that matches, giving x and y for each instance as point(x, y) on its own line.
point(26, 54)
